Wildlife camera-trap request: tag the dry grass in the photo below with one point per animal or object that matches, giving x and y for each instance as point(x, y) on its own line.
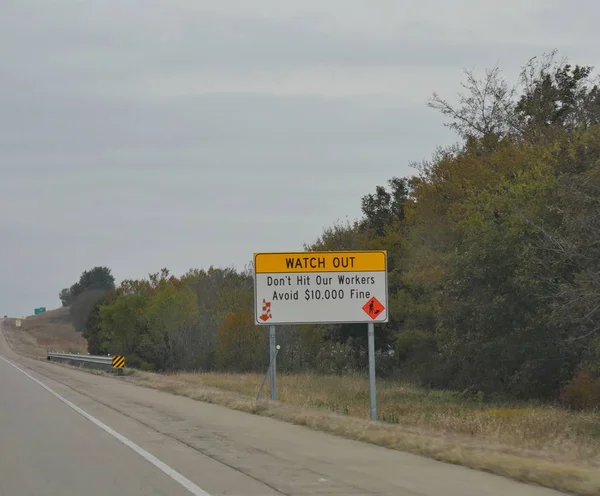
point(49, 330)
point(544, 445)
point(531, 443)
point(525, 427)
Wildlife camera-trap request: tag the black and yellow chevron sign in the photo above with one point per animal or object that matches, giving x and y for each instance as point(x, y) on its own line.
point(118, 362)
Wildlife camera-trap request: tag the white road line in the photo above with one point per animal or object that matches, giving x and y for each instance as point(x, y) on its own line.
point(173, 474)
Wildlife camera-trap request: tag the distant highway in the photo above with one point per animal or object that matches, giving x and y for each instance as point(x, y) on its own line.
point(67, 432)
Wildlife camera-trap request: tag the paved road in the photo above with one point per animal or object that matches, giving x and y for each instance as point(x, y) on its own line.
point(63, 431)
point(46, 448)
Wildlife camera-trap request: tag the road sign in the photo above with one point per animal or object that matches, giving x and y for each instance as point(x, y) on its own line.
point(118, 362)
point(331, 287)
point(39, 310)
point(17, 322)
point(321, 287)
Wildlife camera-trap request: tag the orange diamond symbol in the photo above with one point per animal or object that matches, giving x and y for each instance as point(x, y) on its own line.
point(373, 308)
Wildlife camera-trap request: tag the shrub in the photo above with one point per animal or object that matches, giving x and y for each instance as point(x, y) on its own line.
point(239, 342)
point(583, 391)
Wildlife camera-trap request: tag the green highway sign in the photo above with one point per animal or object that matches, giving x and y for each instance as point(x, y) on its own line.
point(40, 310)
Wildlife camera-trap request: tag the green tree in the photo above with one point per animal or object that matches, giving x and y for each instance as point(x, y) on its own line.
point(385, 208)
point(557, 96)
point(82, 305)
point(65, 297)
point(172, 315)
point(124, 331)
point(97, 278)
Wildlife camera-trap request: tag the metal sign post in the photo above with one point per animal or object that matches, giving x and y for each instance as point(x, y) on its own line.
point(273, 355)
point(372, 382)
point(267, 375)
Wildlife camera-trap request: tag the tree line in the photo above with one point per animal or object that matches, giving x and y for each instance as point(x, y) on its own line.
point(493, 254)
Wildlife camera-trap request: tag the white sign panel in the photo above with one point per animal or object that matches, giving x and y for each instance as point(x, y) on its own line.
point(320, 287)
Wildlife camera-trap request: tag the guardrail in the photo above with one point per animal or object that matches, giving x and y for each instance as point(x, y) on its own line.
point(113, 363)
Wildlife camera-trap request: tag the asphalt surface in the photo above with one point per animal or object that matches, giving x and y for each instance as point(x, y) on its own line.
point(67, 432)
point(48, 448)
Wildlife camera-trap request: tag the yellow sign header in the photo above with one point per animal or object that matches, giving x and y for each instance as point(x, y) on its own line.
point(320, 261)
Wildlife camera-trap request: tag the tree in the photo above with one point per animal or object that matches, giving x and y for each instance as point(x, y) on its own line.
point(83, 295)
point(557, 96)
point(568, 256)
point(172, 316)
point(123, 330)
point(341, 236)
point(98, 340)
point(65, 297)
point(385, 208)
point(485, 110)
point(168, 323)
point(239, 342)
point(548, 97)
point(494, 330)
point(98, 278)
point(82, 305)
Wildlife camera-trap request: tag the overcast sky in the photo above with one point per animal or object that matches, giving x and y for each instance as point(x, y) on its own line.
point(141, 134)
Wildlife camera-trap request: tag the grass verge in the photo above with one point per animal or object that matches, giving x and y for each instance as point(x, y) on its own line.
point(49, 330)
point(543, 445)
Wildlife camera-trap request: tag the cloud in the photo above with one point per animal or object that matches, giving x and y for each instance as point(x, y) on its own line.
point(186, 133)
